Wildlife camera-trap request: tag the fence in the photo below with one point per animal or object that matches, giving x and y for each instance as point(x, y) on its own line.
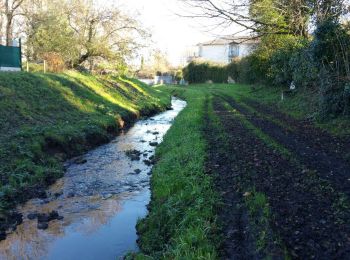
point(11, 57)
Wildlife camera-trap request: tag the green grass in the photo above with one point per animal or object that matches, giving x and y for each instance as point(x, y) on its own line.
point(181, 223)
point(46, 118)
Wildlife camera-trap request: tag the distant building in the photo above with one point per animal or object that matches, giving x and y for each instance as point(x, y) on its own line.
point(158, 80)
point(224, 50)
point(164, 79)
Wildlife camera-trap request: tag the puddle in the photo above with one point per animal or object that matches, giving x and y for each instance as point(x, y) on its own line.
point(101, 197)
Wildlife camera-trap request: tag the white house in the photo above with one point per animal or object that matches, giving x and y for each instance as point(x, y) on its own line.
point(224, 50)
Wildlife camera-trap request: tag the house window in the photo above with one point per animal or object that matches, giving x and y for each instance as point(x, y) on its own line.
point(233, 51)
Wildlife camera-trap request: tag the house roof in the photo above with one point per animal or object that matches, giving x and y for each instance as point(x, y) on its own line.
point(230, 40)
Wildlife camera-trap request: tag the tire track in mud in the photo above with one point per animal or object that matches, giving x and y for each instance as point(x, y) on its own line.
point(314, 149)
point(232, 214)
point(316, 137)
point(307, 214)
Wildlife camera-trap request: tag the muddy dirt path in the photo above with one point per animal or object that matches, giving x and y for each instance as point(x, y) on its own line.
point(314, 136)
point(91, 213)
point(233, 216)
point(308, 217)
point(315, 149)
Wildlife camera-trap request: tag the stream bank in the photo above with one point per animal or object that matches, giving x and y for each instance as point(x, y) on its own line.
point(48, 118)
point(98, 201)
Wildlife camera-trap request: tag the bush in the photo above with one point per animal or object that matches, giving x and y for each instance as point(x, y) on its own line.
point(233, 69)
point(201, 72)
point(280, 62)
point(331, 52)
point(303, 68)
point(55, 62)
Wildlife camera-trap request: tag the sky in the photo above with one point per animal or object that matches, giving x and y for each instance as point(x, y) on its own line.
point(171, 33)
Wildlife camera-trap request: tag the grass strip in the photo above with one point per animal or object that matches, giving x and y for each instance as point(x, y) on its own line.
point(181, 223)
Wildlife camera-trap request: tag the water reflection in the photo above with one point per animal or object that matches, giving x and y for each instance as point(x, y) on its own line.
point(100, 200)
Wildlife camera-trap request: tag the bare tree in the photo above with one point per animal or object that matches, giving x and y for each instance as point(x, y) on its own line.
point(103, 32)
point(264, 17)
point(10, 9)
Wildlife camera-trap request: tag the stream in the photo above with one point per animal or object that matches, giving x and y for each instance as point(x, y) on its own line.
point(98, 201)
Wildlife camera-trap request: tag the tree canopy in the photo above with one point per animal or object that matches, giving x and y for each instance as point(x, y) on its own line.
point(79, 32)
point(265, 17)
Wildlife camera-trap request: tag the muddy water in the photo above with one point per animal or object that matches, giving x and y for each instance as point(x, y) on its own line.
point(101, 197)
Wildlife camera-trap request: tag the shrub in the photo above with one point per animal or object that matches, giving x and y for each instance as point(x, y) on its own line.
point(281, 67)
point(331, 52)
point(233, 69)
point(201, 72)
point(303, 68)
point(55, 62)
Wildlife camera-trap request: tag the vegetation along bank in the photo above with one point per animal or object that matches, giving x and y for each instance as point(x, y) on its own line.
point(48, 118)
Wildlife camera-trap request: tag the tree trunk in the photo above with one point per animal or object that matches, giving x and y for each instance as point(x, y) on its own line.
point(81, 59)
point(8, 29)
point(8, 26)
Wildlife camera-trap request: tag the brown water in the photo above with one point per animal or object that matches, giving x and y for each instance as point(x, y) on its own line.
point(100, 199)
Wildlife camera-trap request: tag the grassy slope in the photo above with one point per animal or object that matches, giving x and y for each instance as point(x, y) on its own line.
point(181, 223)
point(46, 118)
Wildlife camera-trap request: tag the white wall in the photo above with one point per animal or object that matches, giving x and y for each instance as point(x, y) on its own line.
point(245, 49)
point(10, 69)
point(220, 53)
point(215, 53)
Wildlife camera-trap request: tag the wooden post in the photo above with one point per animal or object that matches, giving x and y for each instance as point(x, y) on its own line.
point(27, 66)
point(44, 66)
point(20, 53)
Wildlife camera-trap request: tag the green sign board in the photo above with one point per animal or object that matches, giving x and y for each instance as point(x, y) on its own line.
point(10, 57)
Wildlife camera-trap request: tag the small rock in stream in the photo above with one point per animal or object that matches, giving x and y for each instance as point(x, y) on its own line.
point(32, 215)
point(42, 225)
point(147, 162)
point(45, 201)
point(2, 235)
point(134, 155)
point(42, 194)
point(137, 171)
point(153, 143)
point(80, 160)
point(57, 194)
point(53, 215)
point(155, 133)
point(43, 217)
point(106, 196)
point(71, 194)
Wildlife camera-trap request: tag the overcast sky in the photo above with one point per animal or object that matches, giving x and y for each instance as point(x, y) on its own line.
point(171, 33)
